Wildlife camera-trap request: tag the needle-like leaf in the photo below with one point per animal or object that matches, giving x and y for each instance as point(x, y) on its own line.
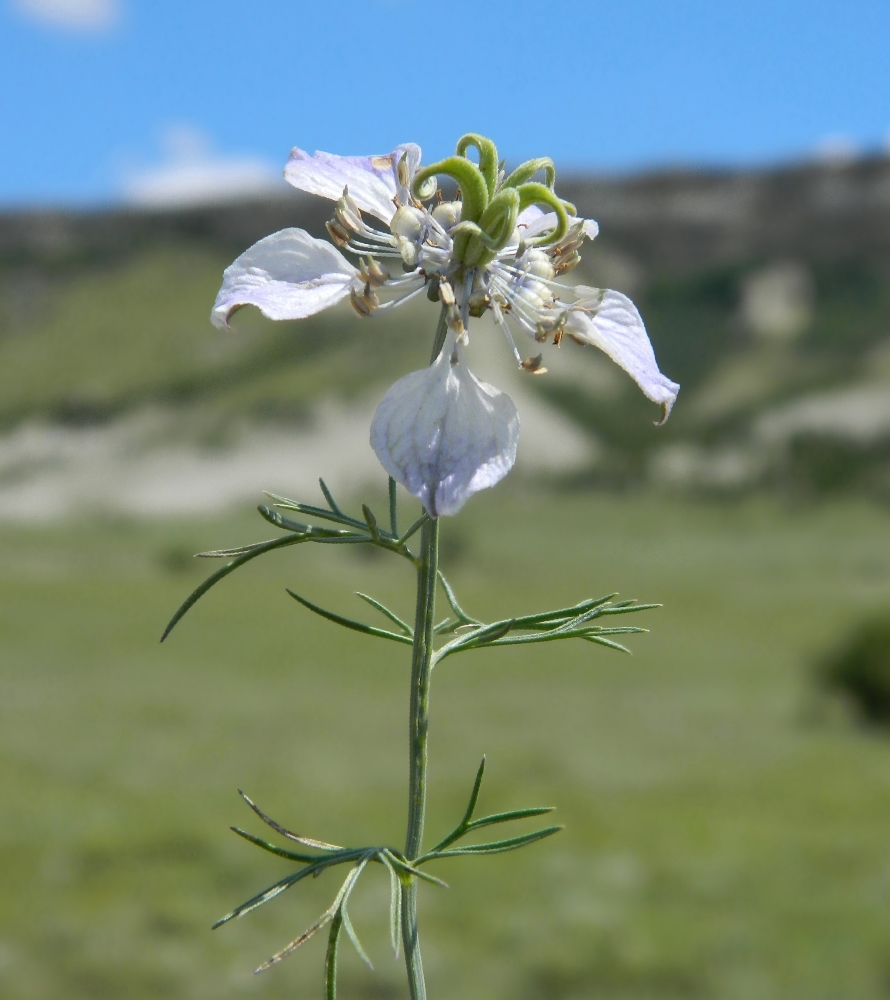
point(330, 961)
point(251, 553)
point(321, 512)
point(289, 949)
point(353, 937)
point(412, 870)
point(485, 635)
point(371, 522)
point(385, 611)
point(495, 847)
point(507, 817)
point(606, 642)
point(288, 834)
point(452, 600)
point(238, 550)
point(274, 890)
point(461, 827)
point(395, 903)
point(273, 849)
point(329, 497)
point(313, 531)
point(627, 607)
point(393, 508)
point(418, 524)
point(349, 623)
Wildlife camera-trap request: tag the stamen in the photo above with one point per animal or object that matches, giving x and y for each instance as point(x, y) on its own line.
point(394, 303)
point(337, 233)
point(366, 303)
point(373, 273)
point(501, 320)
point(520, 273)
point(534, 366)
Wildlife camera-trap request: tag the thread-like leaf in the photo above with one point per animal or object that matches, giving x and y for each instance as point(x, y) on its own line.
point(349, 623)
point(273, 849)
point(546, 617)
point(252, 553)
point(337, 516)
point(607, 642)
point(628, 608)
point(330, 959)
point(278, 828)
point(289, 949)
point(371, 522)
point(412, 870)
point(452, 600)
point(393, 508)
point(490, 633)
point(461, 827)
point(353, 937)
point(497, 846)
point(385, 611)
point(314, 532)
point(395, 903)
point(238, 550)
point(329, 497)
point(418, 524)
point(508, 817)
point(274, 890)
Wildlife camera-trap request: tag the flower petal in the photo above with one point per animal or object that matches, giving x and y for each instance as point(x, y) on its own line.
point(444, 434)
point(288, 275)
point(610, 321)
point(533, 221)
point(372, 180)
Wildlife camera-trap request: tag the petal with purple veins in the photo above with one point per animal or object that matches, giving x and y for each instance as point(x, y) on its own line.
point(444, 434)
point(372, 180)
point(288, 275)
point(610, 321)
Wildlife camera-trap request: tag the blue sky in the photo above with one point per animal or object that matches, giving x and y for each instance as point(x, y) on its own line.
point(102, 98)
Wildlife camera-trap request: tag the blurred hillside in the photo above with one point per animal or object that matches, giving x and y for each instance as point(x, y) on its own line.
point(767, 295)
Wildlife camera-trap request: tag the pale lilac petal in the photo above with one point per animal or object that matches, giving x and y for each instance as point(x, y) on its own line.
point(530, 216)
point(372, 180)
point(288, 275)
point(443, 434)
point(610, 321)
point(533, 221)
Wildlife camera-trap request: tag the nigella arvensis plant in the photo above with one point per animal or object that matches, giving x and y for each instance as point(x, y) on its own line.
point(502, 245)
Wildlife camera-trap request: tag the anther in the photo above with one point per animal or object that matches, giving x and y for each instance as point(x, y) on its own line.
point(347, 212)
point(534, 366)
point(366, 303)
point(453, 319)
point(446, 293)
point(566, 262)
point(402, 170)
point(373, 273)
point(337, 233)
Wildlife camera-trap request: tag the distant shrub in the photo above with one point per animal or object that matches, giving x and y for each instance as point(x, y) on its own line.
point(859, 669)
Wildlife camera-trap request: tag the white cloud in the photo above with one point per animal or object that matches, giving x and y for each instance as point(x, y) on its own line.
point(190, 172)
point(76, 15)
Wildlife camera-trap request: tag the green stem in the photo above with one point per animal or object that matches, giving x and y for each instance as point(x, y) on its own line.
point(421, 663)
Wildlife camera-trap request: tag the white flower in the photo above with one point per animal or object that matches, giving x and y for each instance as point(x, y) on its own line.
point(441, 432)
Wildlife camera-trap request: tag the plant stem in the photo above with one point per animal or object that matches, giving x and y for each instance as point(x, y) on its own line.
point(421, 662)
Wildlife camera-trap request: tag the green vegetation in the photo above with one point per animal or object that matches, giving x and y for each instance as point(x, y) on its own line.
point(860, 669)
point(89, 345)
point(719, 842)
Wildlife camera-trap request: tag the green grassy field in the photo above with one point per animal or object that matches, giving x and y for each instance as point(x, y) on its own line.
point(726, 837)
